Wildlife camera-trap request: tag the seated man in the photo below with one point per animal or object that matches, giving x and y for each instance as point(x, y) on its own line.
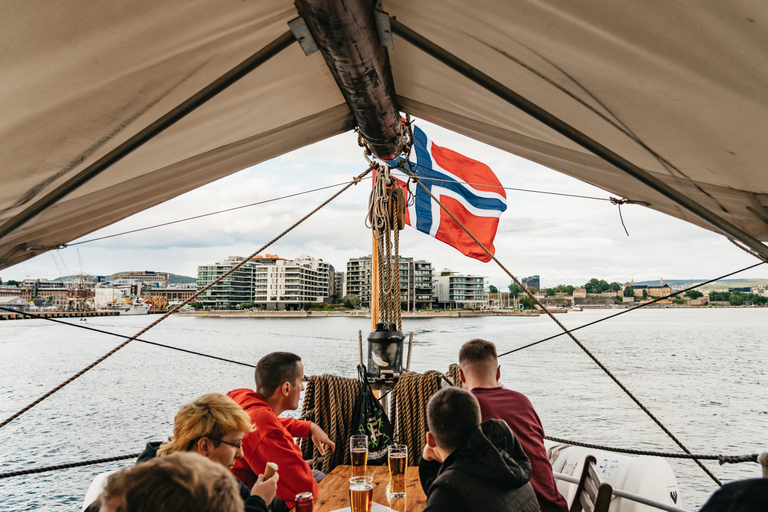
point(480, 372)
point(279, 380)
point(739, 496)
point(213, 426)
point(177, 483)
point(471, 466)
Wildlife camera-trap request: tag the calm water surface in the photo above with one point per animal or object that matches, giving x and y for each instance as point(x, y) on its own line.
point(701, 371)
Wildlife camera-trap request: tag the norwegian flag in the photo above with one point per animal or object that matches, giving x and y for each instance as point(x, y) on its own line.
point(468, 188)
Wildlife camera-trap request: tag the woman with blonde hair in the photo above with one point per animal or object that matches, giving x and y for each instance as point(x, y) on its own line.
point(213, 425)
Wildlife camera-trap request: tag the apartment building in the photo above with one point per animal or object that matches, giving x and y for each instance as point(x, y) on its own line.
point(415, 281)
point(268, 282)
point(454, 290)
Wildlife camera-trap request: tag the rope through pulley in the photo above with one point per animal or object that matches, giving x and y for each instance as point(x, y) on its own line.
point(386, 217)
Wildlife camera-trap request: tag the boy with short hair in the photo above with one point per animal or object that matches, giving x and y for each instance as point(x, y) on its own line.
point(471, 466)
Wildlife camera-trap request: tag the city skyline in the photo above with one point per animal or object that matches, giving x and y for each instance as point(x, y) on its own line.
point(566, 240)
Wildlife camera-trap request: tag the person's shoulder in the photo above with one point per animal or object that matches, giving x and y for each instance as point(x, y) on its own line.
point(243, 394)
point(499, 392)
point(150, 452)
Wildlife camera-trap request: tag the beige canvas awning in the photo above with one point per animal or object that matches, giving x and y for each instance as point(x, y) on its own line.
point(677, 88)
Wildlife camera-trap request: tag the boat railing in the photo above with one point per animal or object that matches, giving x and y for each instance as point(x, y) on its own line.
point(626, 495)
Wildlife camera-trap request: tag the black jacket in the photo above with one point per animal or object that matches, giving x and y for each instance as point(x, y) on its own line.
point(489, 471)
point(253, 503)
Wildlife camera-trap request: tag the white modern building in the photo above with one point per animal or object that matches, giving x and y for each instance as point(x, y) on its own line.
point(454, 290)
point(268, 282)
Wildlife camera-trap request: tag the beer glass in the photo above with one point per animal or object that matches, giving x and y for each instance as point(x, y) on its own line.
point(398, 459)
point(358, 450)
point(361, 493)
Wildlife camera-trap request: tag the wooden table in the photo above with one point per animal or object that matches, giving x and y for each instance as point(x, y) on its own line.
point(334, 490)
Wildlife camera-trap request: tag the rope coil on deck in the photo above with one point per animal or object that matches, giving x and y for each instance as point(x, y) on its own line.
point(329, 401)
point(409, 409)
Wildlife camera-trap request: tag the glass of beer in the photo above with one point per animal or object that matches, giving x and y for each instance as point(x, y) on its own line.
point(361, 493)
point(398, 459)
point(358, 450)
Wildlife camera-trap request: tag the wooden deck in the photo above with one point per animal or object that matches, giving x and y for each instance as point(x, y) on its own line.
point(334, 490)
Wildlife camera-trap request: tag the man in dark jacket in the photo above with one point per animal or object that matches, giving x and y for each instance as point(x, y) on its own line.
point(469, 466)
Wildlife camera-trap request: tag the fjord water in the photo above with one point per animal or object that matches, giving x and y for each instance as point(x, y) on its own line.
point(701, 371)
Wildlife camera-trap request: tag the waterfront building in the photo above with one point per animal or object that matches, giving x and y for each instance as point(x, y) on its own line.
point(8, 290)
point(171, 295)
point(532, 282)
point(14, 302)
point(660, 290)
point(339, 285)
point(148, 278)
point(358, 278)
point(269, 282)
point(454, 290)
point(580, 293)
point(416, 281)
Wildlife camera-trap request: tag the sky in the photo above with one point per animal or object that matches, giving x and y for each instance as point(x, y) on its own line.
point(564, 240)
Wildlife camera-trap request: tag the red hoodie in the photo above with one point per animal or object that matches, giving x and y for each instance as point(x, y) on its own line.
point(272, 441)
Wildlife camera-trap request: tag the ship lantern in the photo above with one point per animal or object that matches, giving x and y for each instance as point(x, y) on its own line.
point(385, 351)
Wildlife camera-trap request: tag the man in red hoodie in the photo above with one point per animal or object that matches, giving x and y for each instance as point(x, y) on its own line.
point(480, 373)
point(279, 382)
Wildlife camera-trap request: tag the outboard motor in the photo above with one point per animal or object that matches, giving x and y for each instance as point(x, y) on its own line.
point(385, 351)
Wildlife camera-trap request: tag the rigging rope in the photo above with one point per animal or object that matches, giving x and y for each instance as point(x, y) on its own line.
point(68, 466)
point(101, 331)
point(355, 181)
point(407, 170)
point(722, 459)
point(384, 206)
point(206, 214)
point(634, 308)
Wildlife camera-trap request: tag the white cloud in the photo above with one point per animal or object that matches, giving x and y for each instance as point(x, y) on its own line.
point(565, 240)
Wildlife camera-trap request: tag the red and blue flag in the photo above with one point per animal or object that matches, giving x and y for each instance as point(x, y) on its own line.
point(468, 188)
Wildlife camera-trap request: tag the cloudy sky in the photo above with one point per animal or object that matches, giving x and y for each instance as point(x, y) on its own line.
point(565, 240)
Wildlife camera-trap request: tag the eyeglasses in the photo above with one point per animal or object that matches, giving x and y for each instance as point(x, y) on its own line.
point(238, 445)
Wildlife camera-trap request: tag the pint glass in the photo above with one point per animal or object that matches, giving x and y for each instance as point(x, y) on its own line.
point(358, 450)
point(361, 493)
point(398, 459)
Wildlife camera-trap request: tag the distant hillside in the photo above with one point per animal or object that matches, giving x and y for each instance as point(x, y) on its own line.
point(723, 283)
point(172, 278)
point(177, 279)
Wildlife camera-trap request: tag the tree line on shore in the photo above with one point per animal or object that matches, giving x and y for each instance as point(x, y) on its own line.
point(595, 286)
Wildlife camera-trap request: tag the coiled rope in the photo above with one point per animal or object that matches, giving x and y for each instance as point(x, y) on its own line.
point(329, 401)
point(355, 181)
point(409, 409)
point(405, 167)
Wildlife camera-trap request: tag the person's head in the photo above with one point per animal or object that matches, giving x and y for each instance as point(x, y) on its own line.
point(452, 415)
point(213, 426)
point(176, 483)
point(279, 379)
point(479, 364)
